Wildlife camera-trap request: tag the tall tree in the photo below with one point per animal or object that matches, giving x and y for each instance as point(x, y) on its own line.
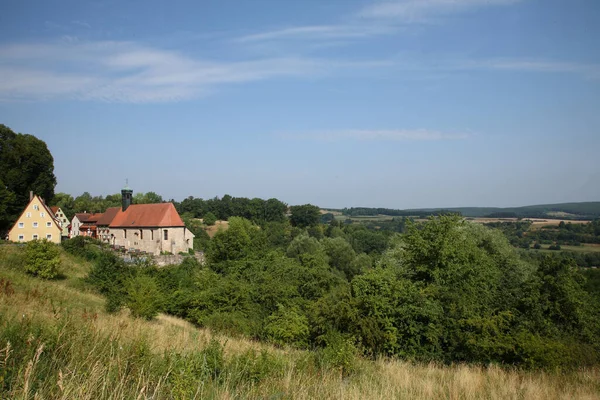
point(305, 215)
point(25, 165)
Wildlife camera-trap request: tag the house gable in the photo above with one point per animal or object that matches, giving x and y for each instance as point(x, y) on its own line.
point(37, 221)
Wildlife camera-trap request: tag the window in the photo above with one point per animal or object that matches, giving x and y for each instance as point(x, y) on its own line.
point(152, 234)
point(35, 224)
point(21, 224)
point(42, 214)
point(141, 234)
point(35, 237)
point(166, 234)
point(49, 236)
point(36, 207)
point(28, 215)
point(48, 224)
point(125, 233)
point(21, 237)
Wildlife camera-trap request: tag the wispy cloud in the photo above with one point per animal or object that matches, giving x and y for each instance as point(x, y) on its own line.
point(318, 32)
point(129, 72)
point(408, 11)
point(377, 135)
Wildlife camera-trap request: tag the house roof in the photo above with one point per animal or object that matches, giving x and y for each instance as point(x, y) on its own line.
point(148, 215)
point(82, 217)
point(94, 218)
point(108, 216)
point(54, 209)
point(50, 214)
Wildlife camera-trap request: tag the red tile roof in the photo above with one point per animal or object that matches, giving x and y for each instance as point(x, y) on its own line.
point(54, 209)
point(108, 216)
point(148, 215)
point(82, 217)
point(94, 218)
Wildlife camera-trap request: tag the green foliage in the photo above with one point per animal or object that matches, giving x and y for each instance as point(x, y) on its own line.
point(305, 215)
point(240, 240)
point(287, 326)
point(42, 259)
point(143, 297)
point(210, 218)
point(25, 165)
point(339, 353)
point(341, 256)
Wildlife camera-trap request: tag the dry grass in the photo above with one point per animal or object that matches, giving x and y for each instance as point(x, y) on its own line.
point(102, 362)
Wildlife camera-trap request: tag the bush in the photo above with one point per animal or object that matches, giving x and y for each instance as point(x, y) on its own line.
point(287, 326)
point(210, 218)
point(143, 297)
point(339, 353)
point(42, 259)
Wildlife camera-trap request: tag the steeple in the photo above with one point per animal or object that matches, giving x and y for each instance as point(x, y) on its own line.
point(126, 195)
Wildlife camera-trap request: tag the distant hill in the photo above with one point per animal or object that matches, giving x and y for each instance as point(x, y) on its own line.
point(584, 210)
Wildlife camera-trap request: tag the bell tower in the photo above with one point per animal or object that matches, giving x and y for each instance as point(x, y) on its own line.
point(126, 195)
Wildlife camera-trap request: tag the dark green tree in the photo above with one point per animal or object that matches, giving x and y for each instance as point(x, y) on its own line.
point(305, 215)
point(25, 165)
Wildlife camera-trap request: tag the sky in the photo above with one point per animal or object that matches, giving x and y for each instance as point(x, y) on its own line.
point(338, 103)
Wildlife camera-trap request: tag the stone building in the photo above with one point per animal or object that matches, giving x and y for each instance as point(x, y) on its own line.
point(152, 228)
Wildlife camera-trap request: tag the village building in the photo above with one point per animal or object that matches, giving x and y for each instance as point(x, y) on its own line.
point(37, 222)
point(88, 227)
point(151, 228)
point(102, 226)
point(76, 223)
point(62, 219)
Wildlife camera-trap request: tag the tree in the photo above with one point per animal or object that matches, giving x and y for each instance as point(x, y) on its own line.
point(210, 218)
point(42, 259)
point(25, 165)
point(305, 215)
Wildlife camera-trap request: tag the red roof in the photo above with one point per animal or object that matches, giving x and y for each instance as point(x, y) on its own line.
point(82, 216)
point(108, 216)
point(148, 215)
point(54, 209)
point(94, 218)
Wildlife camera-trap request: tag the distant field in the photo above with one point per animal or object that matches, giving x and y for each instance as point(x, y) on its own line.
point(584, 248)
point(363, 218)
point(536, 222)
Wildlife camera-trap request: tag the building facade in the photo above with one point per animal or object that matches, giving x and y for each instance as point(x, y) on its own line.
point(37, 222)
point(62, 219)
point(151, 228)
point(76, 223)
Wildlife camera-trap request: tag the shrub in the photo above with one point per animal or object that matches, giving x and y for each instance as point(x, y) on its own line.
point(338, 354)
point(287, 326)
point(209, 218)
point(42, 258)
point(143, 297)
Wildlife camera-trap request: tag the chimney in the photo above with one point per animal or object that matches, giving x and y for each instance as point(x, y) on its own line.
point(30, 195)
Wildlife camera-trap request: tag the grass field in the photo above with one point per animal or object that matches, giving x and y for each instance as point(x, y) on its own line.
point(584, 248)
point(57, 342)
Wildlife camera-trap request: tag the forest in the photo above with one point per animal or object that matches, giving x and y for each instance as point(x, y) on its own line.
point(447, 291)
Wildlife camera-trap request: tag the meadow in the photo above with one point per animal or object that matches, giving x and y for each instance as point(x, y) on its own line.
point(57, 342)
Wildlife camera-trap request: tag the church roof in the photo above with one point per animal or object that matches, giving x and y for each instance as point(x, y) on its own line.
point(148, 216)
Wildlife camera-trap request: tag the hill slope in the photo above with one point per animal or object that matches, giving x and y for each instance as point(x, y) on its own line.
point(57, 342)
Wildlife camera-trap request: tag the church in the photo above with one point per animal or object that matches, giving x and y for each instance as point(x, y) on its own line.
point(151, 228)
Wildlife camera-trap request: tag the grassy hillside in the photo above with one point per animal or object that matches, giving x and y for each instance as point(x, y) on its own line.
point(57, 342)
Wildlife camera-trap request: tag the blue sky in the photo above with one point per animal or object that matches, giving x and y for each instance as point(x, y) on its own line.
point(401, 104)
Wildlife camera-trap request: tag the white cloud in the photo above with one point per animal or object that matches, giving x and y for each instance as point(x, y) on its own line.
point(129, 72)
point(378, 135)
point(408, 11)
point(318, 32)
